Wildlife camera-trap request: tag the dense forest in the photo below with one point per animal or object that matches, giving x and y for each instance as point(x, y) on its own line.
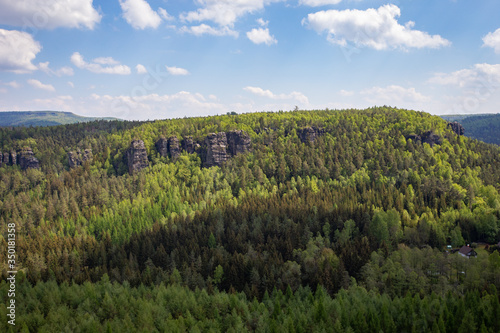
point(43, 118)
point(334, 221)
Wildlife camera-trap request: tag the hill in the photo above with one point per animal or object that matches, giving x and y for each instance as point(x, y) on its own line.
point(271, 221)
point(484, 127)
point(42, 118)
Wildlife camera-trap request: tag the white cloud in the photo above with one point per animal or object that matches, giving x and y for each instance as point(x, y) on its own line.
point(141, 69)
point(375, 28)
point(479, 74)
point(44, 67)
point(317, 3)
point(71, 84)
point(94, 67)
point(262, 22)
point(39, 85)
point(261, 36)
point(298, 96)
point(106, 61)
point(12, 84)
point(492, 40)
point(224, 12)
point(17, 50)
point(166, 16)
point(139, 15)
point(204, 29)
point(176, 70)
point(49, 14)
point(394, 95)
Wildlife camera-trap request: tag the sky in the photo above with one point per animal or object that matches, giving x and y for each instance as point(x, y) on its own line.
point(158, 59)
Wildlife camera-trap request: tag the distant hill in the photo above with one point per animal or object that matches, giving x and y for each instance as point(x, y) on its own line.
point(484, 127)
point(43, 118)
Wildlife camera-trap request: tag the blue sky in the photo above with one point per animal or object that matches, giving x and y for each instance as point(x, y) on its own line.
point(155, 59)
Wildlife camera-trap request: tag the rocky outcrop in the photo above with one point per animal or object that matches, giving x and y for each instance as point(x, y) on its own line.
point(215, 153)
point(27, 159)
point(310, 134)
point(431, 138)
point(174, 147)
point(189, 145)
point(162, 147)
point(457, 128)
point(6, 158)
point(238, 142)
point(13, 158)
point(77, 158)
point(137, 157)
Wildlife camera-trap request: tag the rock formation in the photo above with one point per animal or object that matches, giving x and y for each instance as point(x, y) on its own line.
point(238, 142)
point(13, 158)
point(189, 145)
point(174, 148)
point(162, 147)
point(77, 158)
point(27, 159)
point(6, 157)
point(431, 138)
point(457, 128)
point(310, 134)
point(137, 157)
point(215, 145)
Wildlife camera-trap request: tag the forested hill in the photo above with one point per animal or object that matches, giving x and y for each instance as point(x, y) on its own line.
point(278, 221)
point(42, 118)
point(484, 127)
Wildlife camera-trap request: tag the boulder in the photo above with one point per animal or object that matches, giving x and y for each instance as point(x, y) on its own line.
point(238, 142)
point(27, 159)
point(457, 128)
point(137, 157)
point(215, 146)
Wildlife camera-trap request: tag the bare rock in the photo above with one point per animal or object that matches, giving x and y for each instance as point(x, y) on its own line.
point(174, 148)
point(137, 157)
point(310, 134)
point(13, 158)
point(6, 158)
point(189, 145)
point(77, 158)
point(27, 159)
point(431, 138)
point(215, 145)
point(162, 147)
point(457, 128)
point(238, 142)
point(414, 137)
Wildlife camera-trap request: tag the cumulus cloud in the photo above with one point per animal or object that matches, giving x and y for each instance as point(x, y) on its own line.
point(492, 40)
point(139, 15)
point(317, 3)
point(141, 69)
point(394, 95)
point(346, 93)
point(17, 51)
point(298, 96)
point(224, 12)
point(44, 67)
point(375, 28)
point(176, 70)
point(97, 66)
point(49, 14)
point(204, 29)
point(39, 85)
point(261, 36)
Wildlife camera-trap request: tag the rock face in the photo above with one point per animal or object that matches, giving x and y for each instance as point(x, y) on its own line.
point(27, 159)
point(137, 157)
point(457, 128)
point(310, 134)
point(238, 142)
point(162, 147)
point(6, 157)
point(431, 138)
point(77, 158)
point(13, 158)
point(174, 148)
point(189, 145)
point(215, 145)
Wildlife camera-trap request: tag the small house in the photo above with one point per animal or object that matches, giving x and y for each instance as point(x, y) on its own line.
point(467, 252)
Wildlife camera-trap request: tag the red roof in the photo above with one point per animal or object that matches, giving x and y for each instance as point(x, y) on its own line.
point(465, 250)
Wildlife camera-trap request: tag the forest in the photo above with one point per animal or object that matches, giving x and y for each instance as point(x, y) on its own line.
point(325, 220)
